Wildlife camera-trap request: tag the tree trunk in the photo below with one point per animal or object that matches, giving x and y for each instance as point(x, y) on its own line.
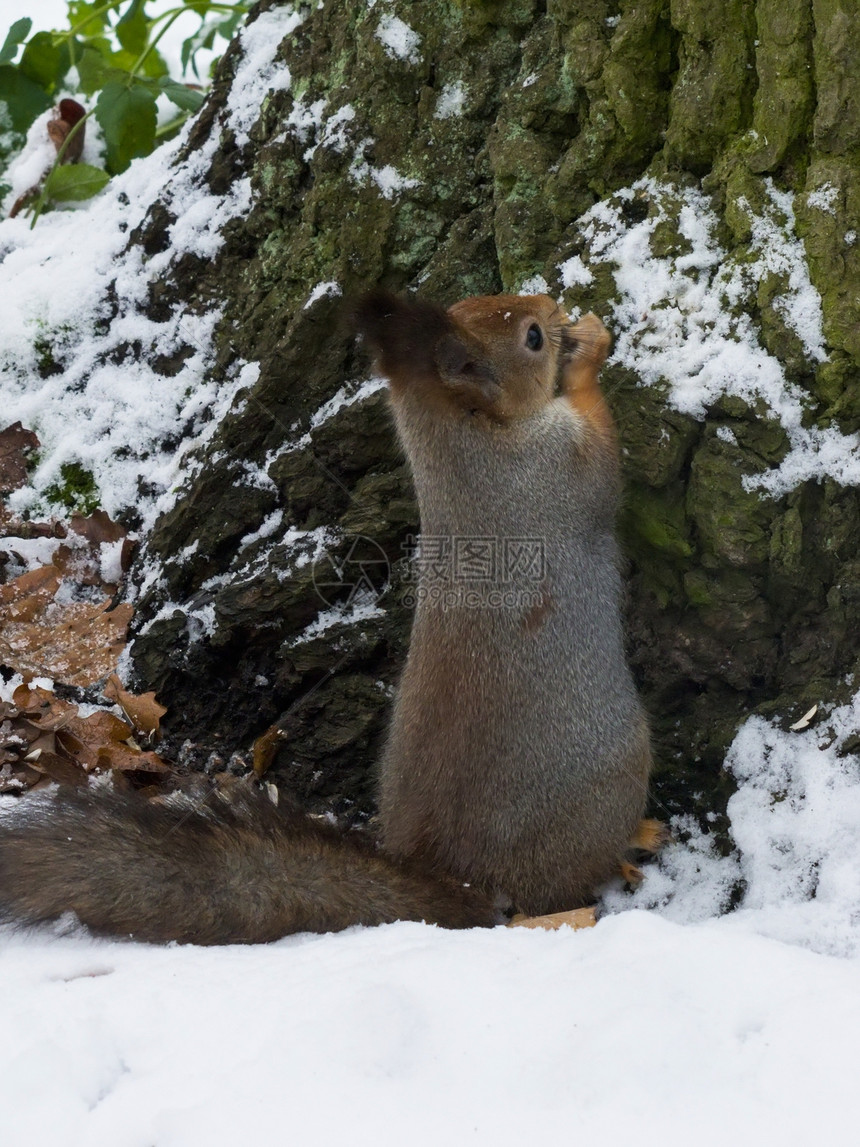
point(577, 142)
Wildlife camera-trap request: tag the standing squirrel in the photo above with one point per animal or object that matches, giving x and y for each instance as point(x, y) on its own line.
point(517, 760)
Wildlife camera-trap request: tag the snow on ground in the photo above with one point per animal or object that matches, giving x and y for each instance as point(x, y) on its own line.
point(637, 1030)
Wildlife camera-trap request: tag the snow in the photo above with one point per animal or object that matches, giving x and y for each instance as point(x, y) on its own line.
point(111, 414)
point(451, 100)
point(795, 831)
point(328, 290)
point(260, 72)
point(387, 178)
point(823, 198)
point(399, 40)
point(669, 1014)
point(489, 1037)
point(362, 607)
point(348, 395)
point(536, 285)
point(574, 273)
point(683, 321)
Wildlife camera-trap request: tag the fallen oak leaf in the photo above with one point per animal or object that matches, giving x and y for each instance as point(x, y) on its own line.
point(124, 759)
point(41, 707)
point(98, 527)
point(58, 769)
point(98, 551)
point(77, 643)
point(11, 526)
point(82, 738)
point(142, 710)
point(29, 594)
point(14, 778)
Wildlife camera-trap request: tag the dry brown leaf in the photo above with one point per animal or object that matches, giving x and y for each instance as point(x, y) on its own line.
point(81, 558)
point(83, 737)
point(41, 707)
point(15, 441)
point(11, 526)
point(66, 116)
point(97, 528)
point(125, 759)
point(58, 769)
point(142, 710)
point(77, 643)
point(28, 595)
point(265, 748)
point(14, 778)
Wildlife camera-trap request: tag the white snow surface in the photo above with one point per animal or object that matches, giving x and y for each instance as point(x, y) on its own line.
point(399, 40)
point(702, 1034)
point(260, 72)
point(451, 100)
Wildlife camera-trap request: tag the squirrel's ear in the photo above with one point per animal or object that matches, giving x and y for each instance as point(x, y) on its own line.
point(401, 334)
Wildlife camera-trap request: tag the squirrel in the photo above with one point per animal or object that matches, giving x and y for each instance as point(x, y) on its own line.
point(516, 765)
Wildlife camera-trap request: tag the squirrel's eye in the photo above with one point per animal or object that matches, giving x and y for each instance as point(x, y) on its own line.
point(534, 337)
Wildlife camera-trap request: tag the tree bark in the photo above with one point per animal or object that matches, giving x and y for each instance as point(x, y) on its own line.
point(462, 166)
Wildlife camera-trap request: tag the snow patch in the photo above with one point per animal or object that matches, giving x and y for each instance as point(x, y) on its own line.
point(795, 825)
point(682, 321)
point(260, 72)
point(823, 198)
point(451, 100)
point(389, 181)
point(574, 273)
point(348, 395)
point(536, 285)
point(363, 607)
point(399, 40)
point(328, 290)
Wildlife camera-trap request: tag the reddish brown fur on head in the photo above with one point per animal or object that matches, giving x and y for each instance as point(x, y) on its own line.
point(504, 356)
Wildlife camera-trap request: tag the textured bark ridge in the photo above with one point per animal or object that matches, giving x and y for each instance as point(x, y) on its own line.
point(462, 162)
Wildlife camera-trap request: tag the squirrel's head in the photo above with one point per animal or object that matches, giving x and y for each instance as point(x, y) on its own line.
point(501, 356)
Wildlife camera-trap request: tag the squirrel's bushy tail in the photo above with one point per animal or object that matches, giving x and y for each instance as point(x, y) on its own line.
point(243, 871)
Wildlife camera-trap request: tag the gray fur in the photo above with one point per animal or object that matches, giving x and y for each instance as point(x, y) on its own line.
point(528, 775)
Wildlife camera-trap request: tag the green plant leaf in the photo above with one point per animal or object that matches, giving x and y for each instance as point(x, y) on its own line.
point(127, 116)
point(19, 31)
point(186, 98)
point(24, 99)
point(132, 30)
point(75, 181)
point(91, 70)
point(87, 15)
point(44, 62)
